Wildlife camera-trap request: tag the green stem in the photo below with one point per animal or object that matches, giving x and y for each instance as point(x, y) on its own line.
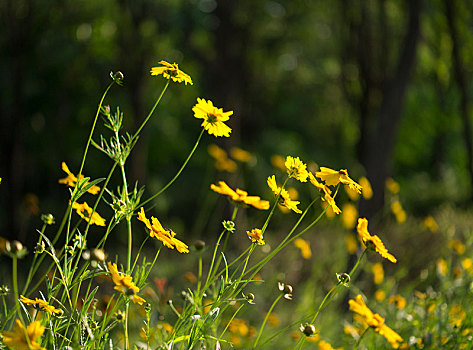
point(266, 319)
point(17, 297)
point(178, 173)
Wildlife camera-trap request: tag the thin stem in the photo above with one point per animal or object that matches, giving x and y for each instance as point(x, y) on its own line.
point(266, 319)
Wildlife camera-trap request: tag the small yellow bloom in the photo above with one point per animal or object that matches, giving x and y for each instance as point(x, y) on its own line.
point(222, 162)
point(124, 284)
point(349, 216)
point(296, 168)
point(398, 300)
point(430, 224)
point(380, 295)
point(326, 193)
point(278, 162)
point(214, 118)
point(372, 242)
point(171, 71)
point(167, 237)
point(392, 185)
point(351, 243)
point(323, 345)
point(71, 180)
point(457, 246)
point(398, 211)
point(85, 212)
point(378, 273)
point(239, 326)
point(334, 177)
point(284, 197)
point(41, 305)
point(16, 339)
point(442, 267)
point(240, 196)
point(467, 264)
point(367, 189)
point(304, 246)
point(256, 236)
point(375, 321)
point(240, 154)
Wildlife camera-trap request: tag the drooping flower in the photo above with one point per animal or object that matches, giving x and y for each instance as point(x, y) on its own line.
point(326, 193)
point(334, 177)
point(41, 305)
point(167, 237)
point(375, 321)
point(71, 180)
point(296, 168)
point(85, 212)
point(171, 71)
point(213, 117)
point(304, 246)
point(16, 339)
point(124, 284)
point(372, 242)
point(240, 196)
point(284, 197)
point(256, 236)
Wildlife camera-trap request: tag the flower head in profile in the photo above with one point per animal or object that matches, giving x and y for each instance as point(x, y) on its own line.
point(167, 237)
point(284, 198)
point(171, 71)
point(85, 212)
point(16, 339)
point(240, 196)
point(256, 236)
point(71, 180)
point(296, 168)
point(372, 242)
point(326, 193)
point(334, 177)
point(41, 305)
point(124, 284)
point(213, 117)
point(375, 321)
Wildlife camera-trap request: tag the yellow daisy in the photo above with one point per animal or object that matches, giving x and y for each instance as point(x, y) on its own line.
point(296, 168)
point(85, 212)
point(214, 118)
point(71, 180)
point(256, 236)
point(171, 71)
point(334, 177)
point(284, 197)
point(240, 196)
point(41, 305)
point(372, 242)
point(16, 339)
point(124, 284)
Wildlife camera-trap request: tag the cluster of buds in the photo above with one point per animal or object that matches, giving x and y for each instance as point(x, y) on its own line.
point(250, 297)
point(229, 225)
point(286, 289)
point(12, 249)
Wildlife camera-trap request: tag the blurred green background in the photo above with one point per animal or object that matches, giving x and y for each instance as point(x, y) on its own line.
point(381, 87)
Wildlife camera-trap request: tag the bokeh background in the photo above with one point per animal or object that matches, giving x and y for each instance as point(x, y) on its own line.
point(381, 87)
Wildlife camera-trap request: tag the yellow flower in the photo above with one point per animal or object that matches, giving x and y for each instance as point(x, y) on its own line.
point(372, 242)
point(284, 197)
point(398, 211)
point(41, 305)
point(16, 339)
point(457, 246)
point(239, 326)
point(304, 246)
point(334, 177)
point(457, 315)
point(392, 185)
point(326, 193)
point(323, 345)
point(214, 118)
point(367, 189)
point(375, 321)
point(378, 273)
point(278, 162)
point(240, 154)
point(71, 180)
point(256, 236)
point(222, 162)
point(430, 224)
point(171, 71)
point(85, 212)
point(167, 237)
point(124, 284)
point(467, 264)
point(349, 216)
point(240, 196)
point(296, 168)
point(397, 300)
point(442, 267)
point(351, 243)
point(380, 295)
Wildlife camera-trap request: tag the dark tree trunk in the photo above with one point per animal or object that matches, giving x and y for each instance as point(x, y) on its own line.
point(462, 82)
